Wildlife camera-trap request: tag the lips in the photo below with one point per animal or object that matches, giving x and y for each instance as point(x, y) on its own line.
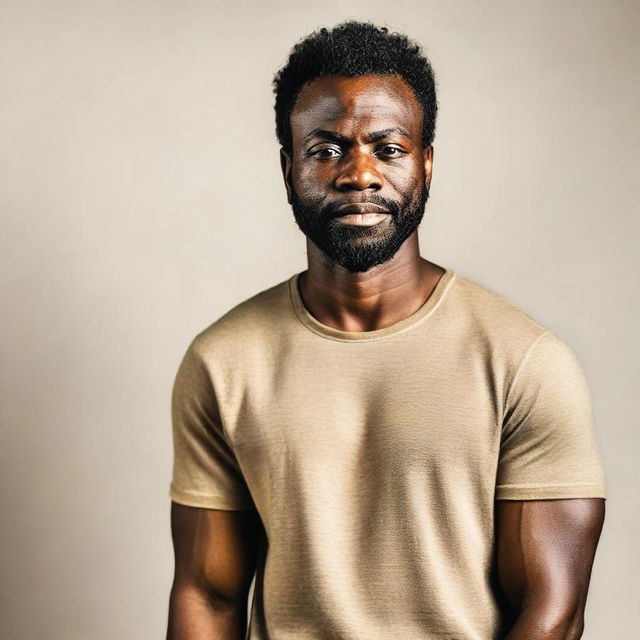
point(360, 208)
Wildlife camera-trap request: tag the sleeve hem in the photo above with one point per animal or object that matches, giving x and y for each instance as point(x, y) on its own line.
point(208, 501)
point(542, 492)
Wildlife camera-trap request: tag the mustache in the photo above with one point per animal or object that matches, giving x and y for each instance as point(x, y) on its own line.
point(330, 210)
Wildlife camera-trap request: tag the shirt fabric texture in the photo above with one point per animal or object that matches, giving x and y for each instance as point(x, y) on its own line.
point(374, 458)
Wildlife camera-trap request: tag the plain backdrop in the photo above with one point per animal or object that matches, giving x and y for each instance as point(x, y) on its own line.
point(141, 198)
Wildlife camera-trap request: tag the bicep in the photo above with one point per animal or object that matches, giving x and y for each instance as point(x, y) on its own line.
point(215, 550)
point(545, 550)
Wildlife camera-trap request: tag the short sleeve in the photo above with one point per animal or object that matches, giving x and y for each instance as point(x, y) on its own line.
point(205, 470)
point(548, 445)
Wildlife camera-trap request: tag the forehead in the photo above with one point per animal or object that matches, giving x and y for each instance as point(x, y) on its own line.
point(355, 106)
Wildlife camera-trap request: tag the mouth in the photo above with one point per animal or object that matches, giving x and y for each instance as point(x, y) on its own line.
point(361, 208)
point(363, 219)
point(362, 214)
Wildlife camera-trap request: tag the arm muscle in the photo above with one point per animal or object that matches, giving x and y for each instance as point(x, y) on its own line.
point(545, 552)
point(214, 565)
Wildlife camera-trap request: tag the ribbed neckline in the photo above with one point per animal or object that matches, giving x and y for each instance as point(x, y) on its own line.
point(303, 314)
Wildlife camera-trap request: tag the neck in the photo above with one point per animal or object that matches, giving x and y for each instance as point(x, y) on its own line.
point(371, 300)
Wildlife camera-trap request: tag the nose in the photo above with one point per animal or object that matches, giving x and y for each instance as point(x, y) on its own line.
point(358, 173)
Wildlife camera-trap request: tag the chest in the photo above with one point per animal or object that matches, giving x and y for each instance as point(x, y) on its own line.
point(350, 408)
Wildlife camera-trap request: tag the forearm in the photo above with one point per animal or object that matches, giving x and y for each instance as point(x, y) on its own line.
point(537, 623)
point(195, 616)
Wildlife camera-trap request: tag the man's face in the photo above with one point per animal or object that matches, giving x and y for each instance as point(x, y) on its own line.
point(358, 176)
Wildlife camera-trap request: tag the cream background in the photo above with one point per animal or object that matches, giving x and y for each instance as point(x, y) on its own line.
point(141, 198)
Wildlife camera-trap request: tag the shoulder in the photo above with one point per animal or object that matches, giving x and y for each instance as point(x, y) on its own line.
point(492, 316)
point(529, 361)
point(249, 322)
point(510, 339)
point(496, 315)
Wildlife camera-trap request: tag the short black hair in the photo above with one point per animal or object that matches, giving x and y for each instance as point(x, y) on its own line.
point(354, 49)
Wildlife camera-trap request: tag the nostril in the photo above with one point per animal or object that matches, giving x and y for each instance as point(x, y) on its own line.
point(359, 179)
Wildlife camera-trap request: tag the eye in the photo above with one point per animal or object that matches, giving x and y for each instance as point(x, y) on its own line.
point(325, 152)
point(391, 151)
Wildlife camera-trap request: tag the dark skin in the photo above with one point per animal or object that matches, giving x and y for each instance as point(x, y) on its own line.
point(544, 549)
point(215, 558)
point(355, 108)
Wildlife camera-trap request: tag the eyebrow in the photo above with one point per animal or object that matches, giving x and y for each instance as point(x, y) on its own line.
point(374, 136)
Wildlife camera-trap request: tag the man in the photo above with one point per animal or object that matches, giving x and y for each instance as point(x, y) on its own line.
point(395, 450)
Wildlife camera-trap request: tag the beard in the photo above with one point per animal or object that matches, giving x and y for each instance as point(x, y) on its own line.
point(358, 248)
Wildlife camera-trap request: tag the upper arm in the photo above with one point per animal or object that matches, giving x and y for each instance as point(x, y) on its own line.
point(206, 471)
point(215, 551)
point(215, 525)
point(545, 551)
point(548, 447)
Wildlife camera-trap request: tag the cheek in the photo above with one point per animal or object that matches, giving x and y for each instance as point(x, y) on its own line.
point(406, 179)
point(311, 178)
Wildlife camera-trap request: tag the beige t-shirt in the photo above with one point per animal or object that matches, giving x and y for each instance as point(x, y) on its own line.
point(374, 458)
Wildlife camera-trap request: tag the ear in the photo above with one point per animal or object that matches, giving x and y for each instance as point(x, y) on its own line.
point(428, 164)
point(285, 165)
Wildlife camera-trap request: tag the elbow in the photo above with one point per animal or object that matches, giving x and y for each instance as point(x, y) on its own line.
point(564, 627)
point(576, 629)
point(210, 598)
point(555, 622)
